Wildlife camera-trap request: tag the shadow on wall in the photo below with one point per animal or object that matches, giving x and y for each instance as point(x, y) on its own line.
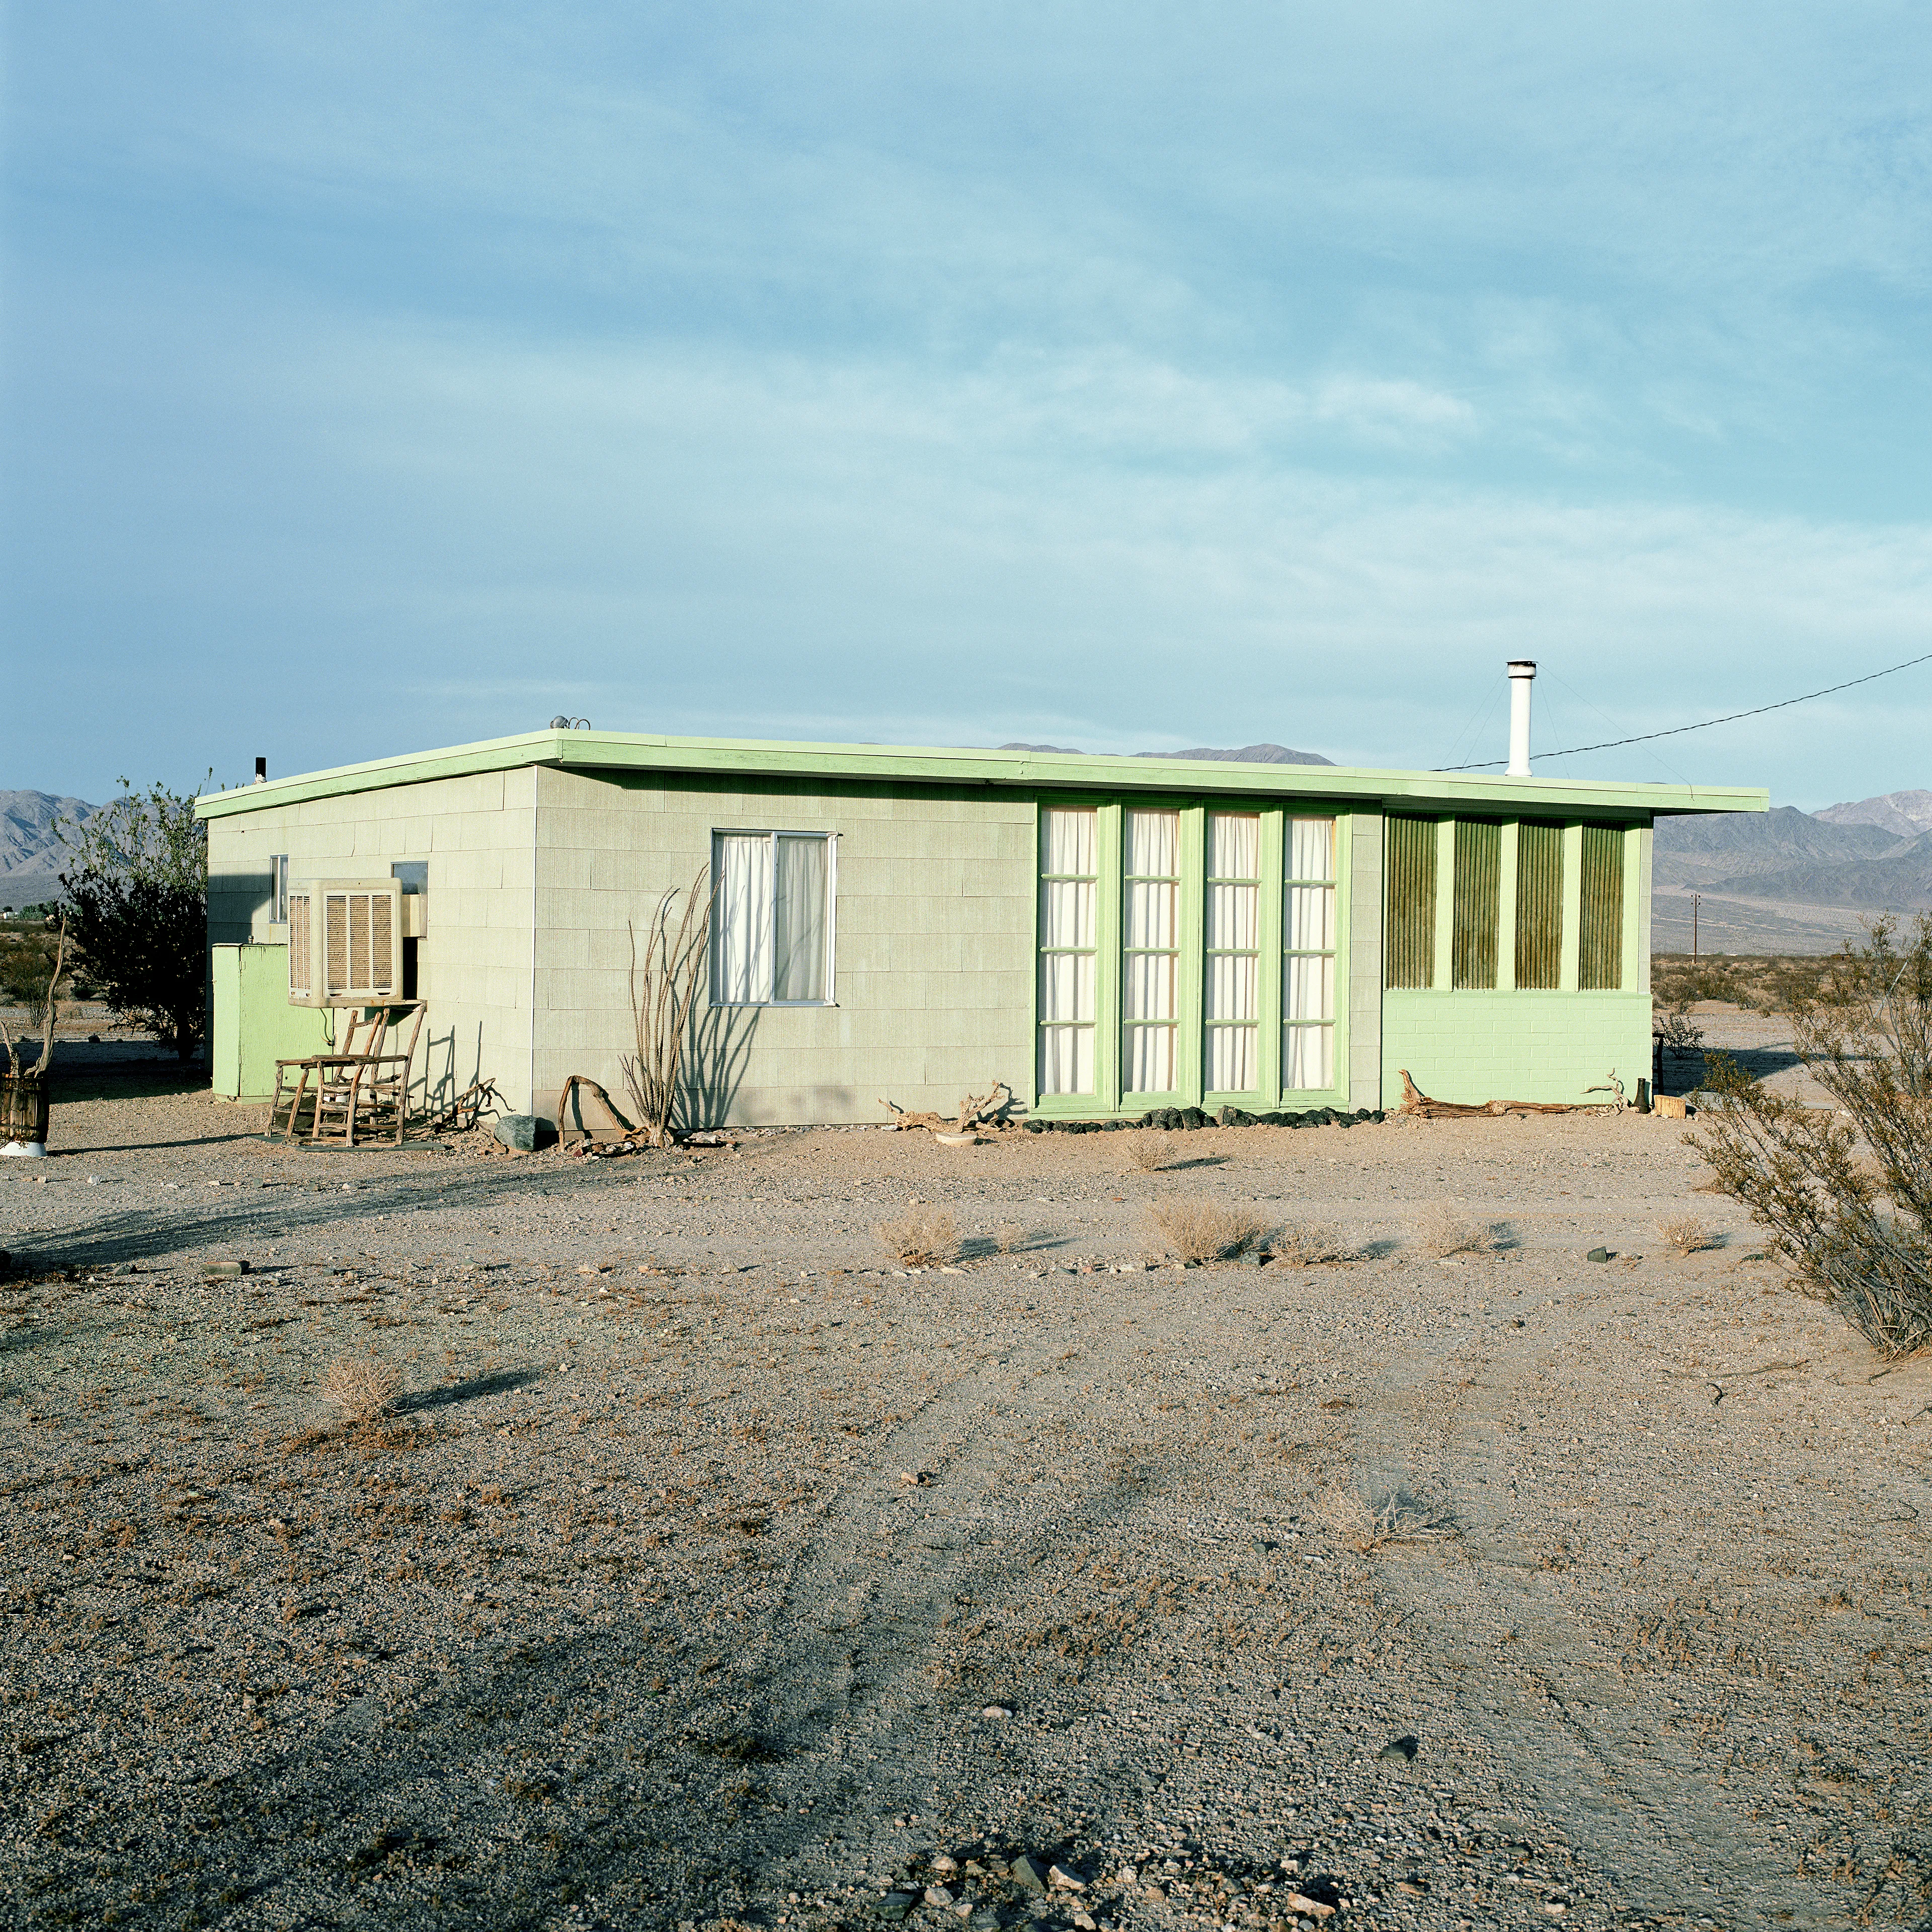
point(717, 1049)
point(442, 1079)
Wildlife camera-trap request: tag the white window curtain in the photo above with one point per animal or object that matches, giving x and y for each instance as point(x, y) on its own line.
point(1069, 883)
point(1308, 983)
point(1150, 959)
point(1231, 988)
point(798, 965)
point(770, 918)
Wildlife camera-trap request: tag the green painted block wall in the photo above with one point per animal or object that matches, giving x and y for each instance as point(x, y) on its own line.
point(254, 1024)
point(1475, 1046)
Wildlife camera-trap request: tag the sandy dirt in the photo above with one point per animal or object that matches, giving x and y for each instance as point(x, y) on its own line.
point(687, 1577)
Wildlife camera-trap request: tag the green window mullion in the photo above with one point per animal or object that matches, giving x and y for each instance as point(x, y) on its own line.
point(1107, 973)
point(1269, 969)
point(1344, 872)
point(1191, 933)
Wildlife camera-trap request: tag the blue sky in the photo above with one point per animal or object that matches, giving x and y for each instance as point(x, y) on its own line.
point(381, 377)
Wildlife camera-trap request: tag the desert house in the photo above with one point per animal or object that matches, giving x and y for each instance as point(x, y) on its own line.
point(1106, 934)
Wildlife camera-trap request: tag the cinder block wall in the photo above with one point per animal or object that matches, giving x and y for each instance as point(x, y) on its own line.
point(933, 945)
point(474, 967)
point(1476, 1046)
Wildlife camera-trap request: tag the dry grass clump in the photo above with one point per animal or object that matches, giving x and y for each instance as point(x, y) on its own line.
point(1303, 1244)
point(1685, 1233)
point(1398, 1517)
point(920, 1238)
point(1009, 1237)
point(1150, 1151)
point(1198, 1230)
point(361, 1386)
point(1446, 1228)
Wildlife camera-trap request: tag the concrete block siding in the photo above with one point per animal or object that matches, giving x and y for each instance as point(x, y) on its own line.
point(474, 967)
point(1476, 1046)
point(932, 954)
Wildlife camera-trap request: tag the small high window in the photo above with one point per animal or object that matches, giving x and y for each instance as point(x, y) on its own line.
point(278, 888)
point(771, 919)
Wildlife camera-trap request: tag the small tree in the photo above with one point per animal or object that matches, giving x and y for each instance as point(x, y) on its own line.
point(136, 896)
point(1848, 1198)
point(41, 989)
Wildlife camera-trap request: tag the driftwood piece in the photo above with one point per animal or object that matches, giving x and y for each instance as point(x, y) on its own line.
point(461, 1114)
point(1416, 1102)
point(580, 1083)
point(984, 1115)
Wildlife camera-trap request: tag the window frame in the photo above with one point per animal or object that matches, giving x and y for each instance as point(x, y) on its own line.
point(1187, 933)
point(771, 835)
point(1107, 1099)
point(278, 888)
point(1337, 1022)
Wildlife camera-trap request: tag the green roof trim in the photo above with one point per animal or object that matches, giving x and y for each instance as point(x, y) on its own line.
point(616, 751)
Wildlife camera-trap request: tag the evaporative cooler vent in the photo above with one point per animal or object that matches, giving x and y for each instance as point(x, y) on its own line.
point(345, 942)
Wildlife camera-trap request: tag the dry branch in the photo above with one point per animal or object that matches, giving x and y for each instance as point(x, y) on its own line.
point(570, 1087)
point(985, 1114)
point(1416, 1102)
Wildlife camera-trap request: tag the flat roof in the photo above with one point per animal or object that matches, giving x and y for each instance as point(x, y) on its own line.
point(726, 758)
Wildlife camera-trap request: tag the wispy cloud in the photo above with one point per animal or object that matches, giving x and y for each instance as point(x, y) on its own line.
point(1082, 377)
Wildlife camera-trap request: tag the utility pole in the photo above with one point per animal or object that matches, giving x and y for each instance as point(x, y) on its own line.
point(1697, 899)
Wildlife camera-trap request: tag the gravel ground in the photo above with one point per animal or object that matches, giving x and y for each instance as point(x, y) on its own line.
point(708, 1568)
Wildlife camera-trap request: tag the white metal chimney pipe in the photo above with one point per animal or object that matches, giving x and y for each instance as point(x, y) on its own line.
point(1521, 674)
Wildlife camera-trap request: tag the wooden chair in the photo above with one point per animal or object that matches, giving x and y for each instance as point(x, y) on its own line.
point(368, 1089)
point(384, 1088)
point(306, 1074)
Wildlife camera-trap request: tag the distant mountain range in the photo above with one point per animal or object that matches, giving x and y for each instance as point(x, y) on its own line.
point(1790, 880)
point(30, 850)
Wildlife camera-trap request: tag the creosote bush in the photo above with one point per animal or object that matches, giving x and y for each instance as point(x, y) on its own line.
point(1847, 1196)
point(1149, 1150)
point(1303, 1244)
point(362, 1387)
point(1199, 1231)
point(1445, 1229)
point(920, 1238)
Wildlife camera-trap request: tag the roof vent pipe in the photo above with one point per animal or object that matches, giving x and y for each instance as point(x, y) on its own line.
point(261, 771)
point(1521, 674)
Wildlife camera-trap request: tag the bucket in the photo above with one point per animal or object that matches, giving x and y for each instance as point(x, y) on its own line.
point(23, 1108)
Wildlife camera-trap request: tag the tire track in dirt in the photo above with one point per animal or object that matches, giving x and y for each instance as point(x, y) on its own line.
point(1568, 1720)
point(851, 1699)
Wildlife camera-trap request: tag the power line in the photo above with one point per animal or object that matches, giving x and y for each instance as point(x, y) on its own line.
point(1729, 717)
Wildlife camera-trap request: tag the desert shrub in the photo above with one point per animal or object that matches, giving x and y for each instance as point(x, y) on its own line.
point(920, 1238)
point(1445, 1229)
point(1150, 1151)
point(1009, 1237)
point(1303, 1243)
point(1199, 1231)
point(1676, 1033)
point(1398, 1517)
point(1847, 1196)
point(1685, 1233)
point(362, 1387)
